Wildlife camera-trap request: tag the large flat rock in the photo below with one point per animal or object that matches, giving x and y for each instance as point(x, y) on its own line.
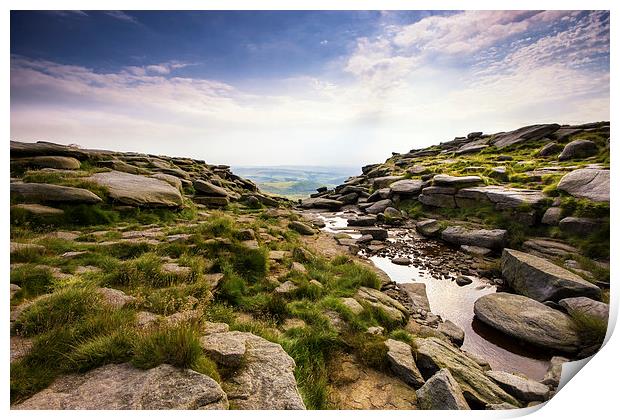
point(524, 389)
point(529, 321)
point(402, 363)
point(321, 203)
point(123, 387)
point(502, 197)
point(138, 190)
point(487, 238)
point(34, 192)
point(55, 162)
point(592, 184)
point(523, 134)
point(542, 280)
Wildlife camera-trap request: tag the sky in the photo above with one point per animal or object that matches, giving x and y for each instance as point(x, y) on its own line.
point(332, 88)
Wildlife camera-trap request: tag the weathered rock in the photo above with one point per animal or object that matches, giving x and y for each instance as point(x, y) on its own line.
point(592, 184)
point(417, 295)
point(211, 201)
point(438, 197)
point(378, 234)
point(299, 267)
point(524, 389)
point(384, 181)
point(380, 194)
point(582, 226)
point(428, 227)
point(321, 203)
point(115, 298)
point(452, 331)
point(577, 306)
point(406, 187)
point(487, 238)
point(578, 149)
point(45, 148)
point(392, 308)
point(478, 389)
point(353, 305)
point(55, 162)
point(476, 250)
point(549, 149)
point(138, 190)
point(19, 347)
point(379, 206)
point(14, 289)
point(391, 214)
point(369, 220)
point(121, 387)
point(302, 228)
point(225, 348)
point(401, 261)
point(502, 197)
point(23, 247)
point(552, 216)
point(554, 373)
point(548, 247)
point(523, 134)
point(265, 379)
point(529, 321)
point(542, 280)
point(205, 187)
point(402, 364)
point(42, 193)
point(286, 288)
point(443, 180)
point(119, 165)
point(39, 210)
point(170, 179)
point(441, 392)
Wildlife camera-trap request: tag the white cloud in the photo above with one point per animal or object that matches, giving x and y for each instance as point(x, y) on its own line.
point(120, 15)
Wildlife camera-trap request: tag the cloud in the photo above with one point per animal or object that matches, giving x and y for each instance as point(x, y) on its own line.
point(408, 86)
point(120, 15)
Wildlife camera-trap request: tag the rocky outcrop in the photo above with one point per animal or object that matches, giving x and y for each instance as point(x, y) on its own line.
point(578, 306)
point(302, 228)
point(528, 320)
point(542, 280)
point(402, 364)
point(406, 187)
point(321, 203)
point(33, 192)
point(123, 387)
point(529, 133)
point(55, 162)
point(441, 392)
point(592, 184)
point(379, 300)
point(578, 149)
point(502, 197)
point(478, 389)
point(138, 190)
point(487, 238)
point(581, 226)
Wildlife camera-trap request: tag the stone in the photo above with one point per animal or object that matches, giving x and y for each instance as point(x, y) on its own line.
point(384, 181)
point(401, 261)
point(392, 308)
point(278, 255)
point(207, 188)
point(378, 234)
point(452, 331)
point(369, 220)
point(375, 330)
point(145, 319)
point(416, 292)
point(115, 298)
point(225, 348)
point(124, 387)
point(475, 250)
point(119, 165)
point(487, 238)
point(176, 269)
point(290, 323)
point(287, 287)
point(33, 192)
point(592, 184)
point(211, 201)
point(406, 187)
point(180, 238)
point(170, 179)
point(379, 206)
point(552, 216)
point(549, 149)
point(299, 267)
point(431, 196)
point(321, 203)
point(478, 389)
point(524, 389)
point(17, 247)
point(45, 148)
point(542, 280)
point(265, 379)
point(554, 372)
point(353, 305)
point(214, 327)
point(578, 149)
point(302, 228)
point(577, 306)
point(428, 227)
point(55, 162)
point(19, 347)
point(502, 197)
point(443, 180)
point(523, 134)
point(392, 213)
point(548, 247)
point(528, 320)
point(38, 210)
point(138, 190)
point(402, 364)
point(581, 226)
point(441, 392)
point(463, 280)
point(14, 289)
point(380, 194)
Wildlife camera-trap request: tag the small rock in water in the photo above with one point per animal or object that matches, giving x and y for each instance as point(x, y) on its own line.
point(463, 280)
point(401, 261)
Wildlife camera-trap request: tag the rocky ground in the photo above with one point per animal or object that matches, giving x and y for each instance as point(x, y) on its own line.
point(150, 282)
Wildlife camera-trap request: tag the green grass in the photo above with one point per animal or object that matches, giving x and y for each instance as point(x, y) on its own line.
point(34, 281)
point(591, 329)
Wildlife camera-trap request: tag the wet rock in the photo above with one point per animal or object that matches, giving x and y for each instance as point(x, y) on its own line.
point(401, 261)
point(364, 239)
point(428, 227)
point(441, 392)
point(378, 234)
point(138, 190)
point(463, 280)
point(33, 192)
point(578, 149)
point(476, 250)
point(302, 228)
point(362, 221)
point(265, 379)
point(487, 238)
point(478, 389)
point(542, 280)
point(582, 226)
point(592, 184)
point(452, 331)
point(528, 320)
point(406, 187)
point(577, 306)
point(524, 389)
point(379, 206)
point(402, 364)
point(121, 387)
point(523, 134)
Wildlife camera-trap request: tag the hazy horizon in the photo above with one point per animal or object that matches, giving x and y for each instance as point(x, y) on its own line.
point(318, 88)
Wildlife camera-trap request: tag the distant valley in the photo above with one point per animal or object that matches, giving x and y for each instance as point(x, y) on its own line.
point(295, 181)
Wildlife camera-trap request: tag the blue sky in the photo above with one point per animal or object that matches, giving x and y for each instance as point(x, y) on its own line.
point(321, 88)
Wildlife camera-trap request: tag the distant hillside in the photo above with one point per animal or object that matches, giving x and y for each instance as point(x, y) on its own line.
point(295, 181)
